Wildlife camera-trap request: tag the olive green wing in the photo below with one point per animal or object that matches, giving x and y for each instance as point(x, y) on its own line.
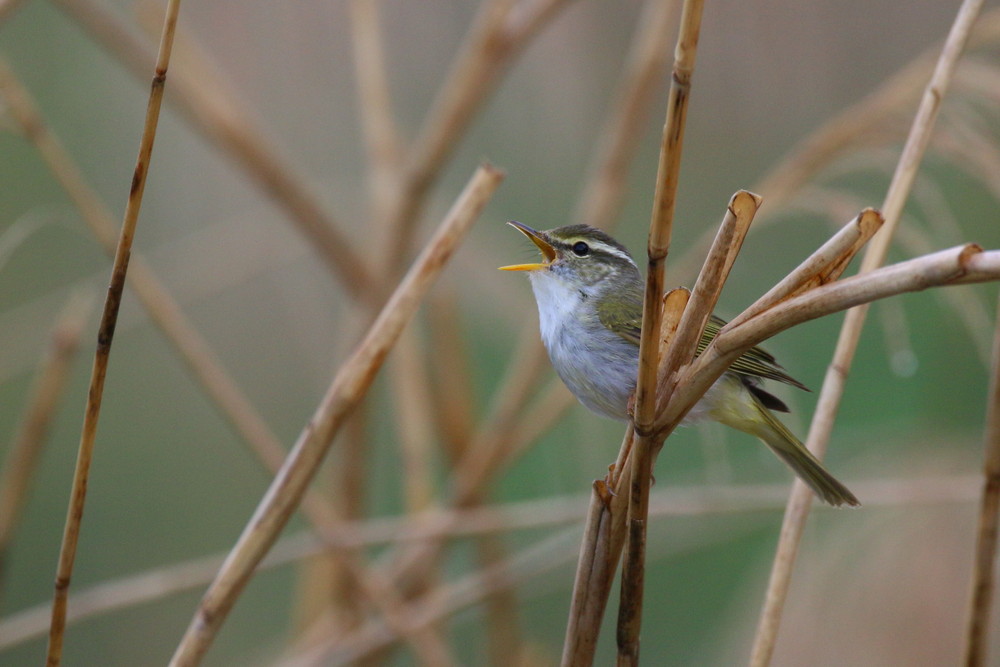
point(624, 317)
point(755, 363)
point(623, 314)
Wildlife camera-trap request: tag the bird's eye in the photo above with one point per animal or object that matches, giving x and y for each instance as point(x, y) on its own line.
point(581, 249)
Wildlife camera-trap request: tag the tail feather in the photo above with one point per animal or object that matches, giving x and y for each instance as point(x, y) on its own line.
point(735, 406)
point(789, 449)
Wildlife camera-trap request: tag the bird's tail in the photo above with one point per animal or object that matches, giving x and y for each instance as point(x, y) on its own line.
point(753, 418)
point(789, 449)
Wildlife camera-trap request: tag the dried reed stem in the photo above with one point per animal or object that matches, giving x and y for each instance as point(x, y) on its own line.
point(983, 578)
point(345, 392)
point(47, 389)
point(660, 229)
point(834, 382)
point(105, 335)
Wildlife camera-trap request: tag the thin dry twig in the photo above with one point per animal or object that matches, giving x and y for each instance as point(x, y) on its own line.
point(105, 335)
point(347, 389)
point(833, 384)
point(983, 578)
point(21, 459)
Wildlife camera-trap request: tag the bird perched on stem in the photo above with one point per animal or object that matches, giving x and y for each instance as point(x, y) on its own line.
point(589, 293)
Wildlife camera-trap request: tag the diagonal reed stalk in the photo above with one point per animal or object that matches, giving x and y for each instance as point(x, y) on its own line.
point(105, 335)
point(850, 333)
point(345, 392)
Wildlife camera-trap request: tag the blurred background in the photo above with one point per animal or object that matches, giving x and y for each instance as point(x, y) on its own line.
point(173, 481)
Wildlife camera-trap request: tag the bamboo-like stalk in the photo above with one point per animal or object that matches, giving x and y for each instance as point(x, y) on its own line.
point(660, 229)
point(793, 524)
point(682, 346)
point(20, 462)
point(983, 578)
point(105, 335)
point(346, 390)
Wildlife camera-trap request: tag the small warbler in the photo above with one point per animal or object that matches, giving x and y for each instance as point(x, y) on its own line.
point(589, 293)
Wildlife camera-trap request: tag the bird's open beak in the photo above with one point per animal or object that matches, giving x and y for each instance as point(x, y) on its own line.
point(538, 238)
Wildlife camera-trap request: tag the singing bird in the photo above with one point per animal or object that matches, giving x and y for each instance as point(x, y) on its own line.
point(589, 293)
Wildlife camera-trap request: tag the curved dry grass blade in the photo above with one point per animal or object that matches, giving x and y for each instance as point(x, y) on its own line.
point(346, 391)
point(833, 385)
point(105, 335)
point(21, 459)
point(983, 578)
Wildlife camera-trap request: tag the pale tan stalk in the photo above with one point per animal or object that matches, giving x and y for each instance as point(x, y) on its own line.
point(660, 229)
point(20, 462)
point(983, 578)
point(825, 265)
point(414, 420)
point(835, 380)
point(346, 391)
point(105, 335)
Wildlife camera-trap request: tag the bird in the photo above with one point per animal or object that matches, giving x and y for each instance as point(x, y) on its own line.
point(589, 293)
